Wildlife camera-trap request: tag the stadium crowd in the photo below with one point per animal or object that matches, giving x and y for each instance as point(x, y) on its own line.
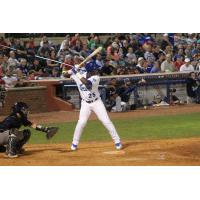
point(122, 54)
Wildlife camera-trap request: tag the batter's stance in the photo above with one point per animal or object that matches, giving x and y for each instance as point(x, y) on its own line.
point(88, 83)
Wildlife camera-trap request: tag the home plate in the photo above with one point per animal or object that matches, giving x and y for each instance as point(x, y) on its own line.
point(114, 152)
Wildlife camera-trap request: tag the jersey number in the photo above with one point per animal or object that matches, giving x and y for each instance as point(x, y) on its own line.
point(90, 95)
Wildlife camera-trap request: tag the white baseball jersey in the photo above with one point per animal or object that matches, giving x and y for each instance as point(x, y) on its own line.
point(92, 102)
point(86, 94)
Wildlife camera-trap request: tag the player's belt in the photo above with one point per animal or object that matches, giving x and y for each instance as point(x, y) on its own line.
point(91, 101)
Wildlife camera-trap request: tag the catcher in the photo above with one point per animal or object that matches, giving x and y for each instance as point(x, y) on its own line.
point(11, 138)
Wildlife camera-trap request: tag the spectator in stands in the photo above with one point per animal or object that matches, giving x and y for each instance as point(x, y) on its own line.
point(45, 42)
point(55, 73)
point(68, 61)
point(168, 50)
point(157, 51)
point(178, 63)
point(65, 41)
point(180, 54)
point(9, 79)
point(4, 64)
point(187, 67)
point(2, 42)
point(85, 50)
point(167, 65)
point(165, 41)
point(1, 68)
point(63, 52)
point(140, 65)
point(148, 55)
point(23, 67)
point(119, 56)
point(13, 63)
point(31, 43)
point(36, 66)
point(30, 49)
point(188, 51)
point(31, 75)
point(21, 51)
point(78, 46)
point(44, 48)
point(125, 47)
point(74, 39)
point(191, 38)
point(161, 58)
point(131, 58)
point(50, 64)
point(156, 68)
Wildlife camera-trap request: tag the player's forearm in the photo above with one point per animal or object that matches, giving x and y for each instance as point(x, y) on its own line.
point(38, 127)
point(50, 131)
point(84, 80)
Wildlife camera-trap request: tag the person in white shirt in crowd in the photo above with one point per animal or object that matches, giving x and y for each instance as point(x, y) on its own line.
point(45, 40)
point(148, 55)
point(140, 65)
point(130, 56)
point(167, 65)
point(9, 79)
point(13, 63)
point(187, 67)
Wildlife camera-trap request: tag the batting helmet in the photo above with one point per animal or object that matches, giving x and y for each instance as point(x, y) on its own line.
point(91, 66)
point(21, 108)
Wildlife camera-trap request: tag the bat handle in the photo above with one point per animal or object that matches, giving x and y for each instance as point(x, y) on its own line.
point(79, 65)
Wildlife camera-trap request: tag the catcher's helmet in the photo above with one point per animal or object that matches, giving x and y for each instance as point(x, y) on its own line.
point(21, 108)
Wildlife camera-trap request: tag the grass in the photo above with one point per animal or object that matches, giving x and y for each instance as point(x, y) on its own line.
point(156, 127)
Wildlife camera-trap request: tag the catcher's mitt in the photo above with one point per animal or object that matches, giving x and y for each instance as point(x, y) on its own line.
point(51, 131)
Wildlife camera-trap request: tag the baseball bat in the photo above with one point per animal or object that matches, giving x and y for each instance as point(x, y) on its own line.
point(90, 56)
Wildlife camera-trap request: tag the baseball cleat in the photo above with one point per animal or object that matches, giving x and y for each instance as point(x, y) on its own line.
point(118, 146)
point(74, 147)
point(11, 155)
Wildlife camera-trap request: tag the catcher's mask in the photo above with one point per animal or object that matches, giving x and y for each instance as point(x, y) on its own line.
point(21, 108)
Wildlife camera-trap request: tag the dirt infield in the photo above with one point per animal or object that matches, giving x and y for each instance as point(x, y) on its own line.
point(137, 152)
point(158, 152)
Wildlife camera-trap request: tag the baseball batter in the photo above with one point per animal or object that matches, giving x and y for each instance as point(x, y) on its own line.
point(88, 83)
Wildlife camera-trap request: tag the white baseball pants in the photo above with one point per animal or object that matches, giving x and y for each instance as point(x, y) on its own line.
point(99, 109)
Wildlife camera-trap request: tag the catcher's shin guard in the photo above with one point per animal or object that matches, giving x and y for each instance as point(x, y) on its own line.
point(11, 150)
point(22, 142)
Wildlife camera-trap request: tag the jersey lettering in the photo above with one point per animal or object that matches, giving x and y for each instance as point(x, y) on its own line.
point(83, 87)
